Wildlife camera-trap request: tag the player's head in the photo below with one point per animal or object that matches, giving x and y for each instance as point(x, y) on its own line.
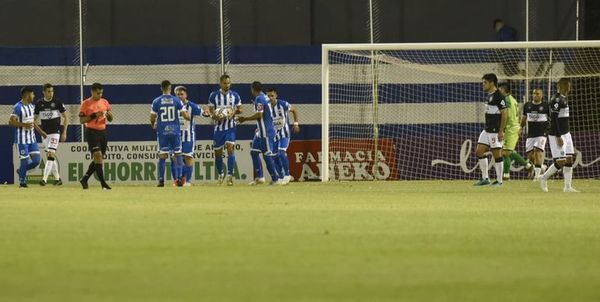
point(181, 93)
point(498, 23)
point(490, 80)
point(538, 95)
point(27, 94)
point(48, 91)
point(97, 91)
point(504, 89)
point(225, 82)
point(165, 86)
point(564, 86)
point(272, 94)
point(256, 88)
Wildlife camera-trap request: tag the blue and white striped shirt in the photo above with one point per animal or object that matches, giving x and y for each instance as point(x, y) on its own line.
point(188, 128)
point(281, 119)
point(219, 100)
point(24, 114)
point(265, 123)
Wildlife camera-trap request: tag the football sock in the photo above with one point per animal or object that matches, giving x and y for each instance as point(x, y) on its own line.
point(498, 166)
point(551, 170)
point(507, 162)
point(483, 166)
point(23, 170)
point(173, 165)
point(90, 171)
point(256, 164)
point(277, 165)
point(537, 170)
point(48, 168)
point(179, 166)
point(271, 167)
point(100, 173)
point(219, 164)
point(55, 170)
point(568, 174)
point(285, 162)
point(230, 164)
point(162, 162)
point(518, 158)
point(187, 171)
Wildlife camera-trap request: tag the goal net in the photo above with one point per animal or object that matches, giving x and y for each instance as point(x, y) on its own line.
point(415, 111)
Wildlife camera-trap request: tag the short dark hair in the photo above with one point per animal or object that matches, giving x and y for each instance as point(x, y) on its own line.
point(26, 89)
point(46, 86)
point(181, 87)
point(257, 86)
point(490, 77)
point(564, 81)
point(165, 84)
point(505, 86)
point(97, 86)
point(496, 21)
point(272, 90)
point(224, 77)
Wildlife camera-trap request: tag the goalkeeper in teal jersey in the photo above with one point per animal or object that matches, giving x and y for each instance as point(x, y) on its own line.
point(511, 133)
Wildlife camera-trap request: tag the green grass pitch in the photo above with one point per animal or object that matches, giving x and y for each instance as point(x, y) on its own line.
point(363, 241)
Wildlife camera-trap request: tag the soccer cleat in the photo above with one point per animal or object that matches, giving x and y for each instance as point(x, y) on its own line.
point(257, 181)
point(23, 186)
point(58, 182)
point(483, 182)
point(229, 180)
point(544, 184)
point(161, 184)
point(105, 186)
point(496, 184)
point(220, 179)
point(42, 182)
point(537, 178)
point(506, 176)
point(84, 184)
point(278, 182)
point(187, 184)
point(286, 179)
point(570, 190)
point(529, 169)
point(178, 183)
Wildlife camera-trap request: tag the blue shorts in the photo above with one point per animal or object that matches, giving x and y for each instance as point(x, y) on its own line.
point(169, 143)
point(220, 138)
point(265, 145)
point(282, 143)
point(187, 148)
point(26, 149)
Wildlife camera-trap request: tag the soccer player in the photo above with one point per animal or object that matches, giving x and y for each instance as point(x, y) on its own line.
point(94, 113)
point(561, 143)
point(225, 126)
point(164, 117)
point(511, 133)
point(493, 134)
point(22, 118)
point(266, 131)
point(49, 110)
point(188, 132)
point(536, 114)
point(281, 110)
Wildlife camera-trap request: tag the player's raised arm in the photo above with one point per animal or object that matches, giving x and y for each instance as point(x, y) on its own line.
point(296, 124)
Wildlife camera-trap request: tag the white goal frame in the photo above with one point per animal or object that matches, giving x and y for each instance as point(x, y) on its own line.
point(327, 48)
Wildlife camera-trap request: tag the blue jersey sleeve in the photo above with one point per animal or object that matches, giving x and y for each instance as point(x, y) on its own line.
point(211, 99)
point(196, 111)
point(155, 106)
point(178, 104)
point(238, 100)
point(17, 111)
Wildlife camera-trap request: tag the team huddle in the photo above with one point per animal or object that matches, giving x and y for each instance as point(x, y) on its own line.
point(544, 121)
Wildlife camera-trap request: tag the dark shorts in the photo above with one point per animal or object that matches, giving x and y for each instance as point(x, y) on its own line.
point(96, 140)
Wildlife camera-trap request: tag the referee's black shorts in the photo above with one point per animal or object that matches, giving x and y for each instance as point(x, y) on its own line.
point(96, 140)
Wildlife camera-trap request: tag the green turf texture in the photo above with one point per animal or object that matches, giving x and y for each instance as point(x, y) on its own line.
point(362, 241)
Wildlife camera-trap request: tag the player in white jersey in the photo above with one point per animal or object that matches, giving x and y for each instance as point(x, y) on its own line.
point(224, 104)
point(48, 110)
point(188, 132)
point(281, 110)
point(22, 118)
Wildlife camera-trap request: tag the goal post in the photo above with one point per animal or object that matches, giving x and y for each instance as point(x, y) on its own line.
point(414, 111)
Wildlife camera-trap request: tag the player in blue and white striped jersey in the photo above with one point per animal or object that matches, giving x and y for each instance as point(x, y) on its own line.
point(228, 101)
point(22, 119)
point(281, 110)
point(188, 132)
point(265, 140)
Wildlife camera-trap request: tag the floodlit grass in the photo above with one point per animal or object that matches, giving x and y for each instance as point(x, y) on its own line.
point(367, 241)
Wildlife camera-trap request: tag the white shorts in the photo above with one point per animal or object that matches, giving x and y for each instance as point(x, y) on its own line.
point(51, 142)
point(490, 140)
point(538, 142)
point(564, 150)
